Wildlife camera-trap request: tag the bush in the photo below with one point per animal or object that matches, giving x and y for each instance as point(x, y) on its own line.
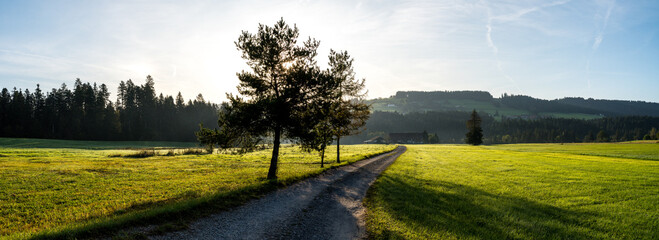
point(171, 152)
point(193, 151)
point(142, 154)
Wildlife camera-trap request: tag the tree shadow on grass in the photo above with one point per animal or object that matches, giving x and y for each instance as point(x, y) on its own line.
point(445, 208)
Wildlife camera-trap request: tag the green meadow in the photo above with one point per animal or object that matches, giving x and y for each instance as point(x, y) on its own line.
point(518, 191)
point(57, 143)
point(67, 191)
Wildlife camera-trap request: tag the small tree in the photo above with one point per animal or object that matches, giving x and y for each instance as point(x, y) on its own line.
point(654, 135)
point(589, 137)
point(507, 138)
point(349, 112)
point(319, 138)
point(319, 119)
point(475, 134)
point(602, 136)
point(234, 130)
point(433, 138)
point(207, 138)
point(340, 109)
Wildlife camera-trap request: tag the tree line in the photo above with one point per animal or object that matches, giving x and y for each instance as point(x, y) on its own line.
point(557, 130)
point(87, 112)
point(444, 95)
point(450, 128)
point(418, 101)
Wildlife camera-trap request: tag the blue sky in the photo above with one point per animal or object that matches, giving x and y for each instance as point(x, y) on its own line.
point(548, 49)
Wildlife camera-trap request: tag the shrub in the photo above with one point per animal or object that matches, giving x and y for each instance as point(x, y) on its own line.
point(142, 154)
point(171, 152)
point(193, 151)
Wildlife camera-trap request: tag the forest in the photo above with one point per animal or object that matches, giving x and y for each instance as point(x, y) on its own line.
point(511, 106)
point(450, 127)
point(87, 112)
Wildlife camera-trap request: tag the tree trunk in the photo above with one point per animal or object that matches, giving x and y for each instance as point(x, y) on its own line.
point(272, 172)
point(338, 151)
point(322, 157)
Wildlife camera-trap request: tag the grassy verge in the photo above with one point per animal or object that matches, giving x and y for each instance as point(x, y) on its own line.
point(66, 193)
point(517, 192)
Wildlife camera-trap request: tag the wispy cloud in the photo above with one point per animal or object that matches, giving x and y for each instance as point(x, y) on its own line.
point(597, 41)
point(43, 66)
point(515, 16)
point(522, 12)
point(488, 35)
point(600, 34)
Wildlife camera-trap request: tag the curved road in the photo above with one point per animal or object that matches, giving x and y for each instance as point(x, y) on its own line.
point(328, 206)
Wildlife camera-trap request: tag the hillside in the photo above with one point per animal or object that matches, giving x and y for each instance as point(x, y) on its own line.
point(511, 106)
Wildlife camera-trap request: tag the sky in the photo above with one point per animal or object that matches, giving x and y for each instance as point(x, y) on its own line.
point(604, 49)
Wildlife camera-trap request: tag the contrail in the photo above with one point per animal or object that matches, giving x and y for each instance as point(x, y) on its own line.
point(495, 50)
point(508, 18)
point(598, 40)
point(600, 33)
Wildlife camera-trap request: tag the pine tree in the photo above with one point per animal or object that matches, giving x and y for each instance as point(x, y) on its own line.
point(602, 136)
point(279, 91)
point(475, 134)
point(348, 112)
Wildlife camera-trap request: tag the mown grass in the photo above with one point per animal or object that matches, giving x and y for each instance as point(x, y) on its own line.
point(67, 192)
point(538, 191)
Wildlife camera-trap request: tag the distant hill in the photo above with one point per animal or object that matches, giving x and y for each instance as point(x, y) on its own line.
point(511, 106)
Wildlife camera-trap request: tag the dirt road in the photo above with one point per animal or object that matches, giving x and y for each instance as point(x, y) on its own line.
point(325, 207)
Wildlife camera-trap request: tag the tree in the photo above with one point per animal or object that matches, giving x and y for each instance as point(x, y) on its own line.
point(433, 139)
point(180, 102)
point(207, 137)
point(278, 91)
point(589, 137)
point(319, 137)
point(602, 136)
point(475, 134)
point(348, 112)
point(654, 135)
point(340, 108)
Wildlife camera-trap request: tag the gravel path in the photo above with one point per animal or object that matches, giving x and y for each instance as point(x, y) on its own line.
point(328, 206)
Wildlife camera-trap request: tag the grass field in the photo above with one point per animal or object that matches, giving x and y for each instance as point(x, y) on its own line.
point(56, 143)
point(68, 190)
point(647, 150)
point(524, 191)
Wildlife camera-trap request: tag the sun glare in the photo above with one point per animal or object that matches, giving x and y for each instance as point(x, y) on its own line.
point(288, 65)
point(140, 68)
